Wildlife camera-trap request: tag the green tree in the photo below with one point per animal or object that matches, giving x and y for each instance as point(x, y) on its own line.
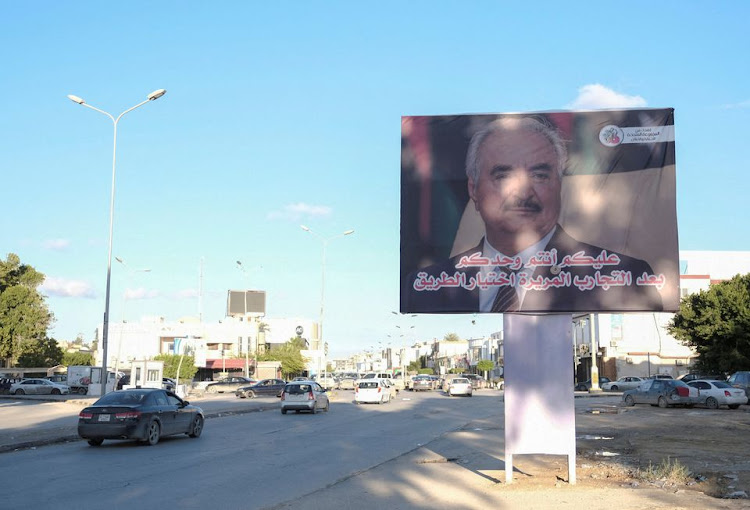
point(24, 315)
point(451, 337)
point(716, 323)
point(40, 353)
point(172, 361)
point(292, 361)
point(485, 366)
point(78, 358)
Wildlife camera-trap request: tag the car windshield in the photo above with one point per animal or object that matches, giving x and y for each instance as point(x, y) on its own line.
point(128, 397)
point(460, 381)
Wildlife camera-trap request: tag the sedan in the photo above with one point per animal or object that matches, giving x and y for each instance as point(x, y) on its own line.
point(422, 382)
point(347, 383)
point(718, 393)
point(586, 385)
point(264, 387)
point(460, 386)
point(661, 392)
point(145, 414)
point(304, 396)
point(622, 384)
point(38, 387)
point(229, 384)
point(375, 391)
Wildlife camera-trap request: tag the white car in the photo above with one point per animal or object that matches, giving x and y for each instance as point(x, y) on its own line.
point(460, 386)
point(622, 384)
point(713, 394)
point(304, 396)
point(38, 387)
point(327, 381)
point(375, 391)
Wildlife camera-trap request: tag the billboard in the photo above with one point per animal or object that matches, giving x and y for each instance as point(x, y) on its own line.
point(246, 303)
point(539, 212)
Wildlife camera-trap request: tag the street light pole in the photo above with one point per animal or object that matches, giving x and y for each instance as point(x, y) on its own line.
point(325, 241)
point(105, 333)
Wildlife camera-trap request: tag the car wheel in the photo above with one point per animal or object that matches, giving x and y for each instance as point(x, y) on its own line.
point(55, 391)
point(283, 411)
point(96, 442)
point(153, 433)
point(629, 400)
point(662, 402)
point(471, 394)
point(712, 403)
point(82, 391)
point(615, 388)
point(197, 427)
point(250, 394)
point(327, 407)
point(314, 409)
point(19, 392)
point(734, 406)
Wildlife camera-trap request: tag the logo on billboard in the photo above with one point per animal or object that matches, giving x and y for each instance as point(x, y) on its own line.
point(611, 136)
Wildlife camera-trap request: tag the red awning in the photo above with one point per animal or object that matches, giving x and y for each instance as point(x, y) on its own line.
point(229, 364)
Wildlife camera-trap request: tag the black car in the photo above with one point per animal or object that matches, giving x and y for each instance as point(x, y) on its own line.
point(586, 385)
point(145, 414)
point(264, 387)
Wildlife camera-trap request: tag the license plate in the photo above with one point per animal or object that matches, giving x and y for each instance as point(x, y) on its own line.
point(103, 417)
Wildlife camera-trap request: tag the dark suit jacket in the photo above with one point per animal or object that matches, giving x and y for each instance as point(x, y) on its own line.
point(563, 299)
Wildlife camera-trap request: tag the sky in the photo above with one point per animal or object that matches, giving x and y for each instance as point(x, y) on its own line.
point(281, 114)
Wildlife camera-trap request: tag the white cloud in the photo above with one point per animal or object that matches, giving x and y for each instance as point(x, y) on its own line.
point(186, 294)
point(61, 287)
point(300, 210)
point(595, 96)
point(141, 293)
point(736, 106)
point(56, 244)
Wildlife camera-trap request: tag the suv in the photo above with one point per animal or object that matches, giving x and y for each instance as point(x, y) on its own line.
point(740, 380)
point(477, 382)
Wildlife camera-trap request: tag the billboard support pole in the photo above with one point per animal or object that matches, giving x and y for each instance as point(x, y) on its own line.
point(539, 399)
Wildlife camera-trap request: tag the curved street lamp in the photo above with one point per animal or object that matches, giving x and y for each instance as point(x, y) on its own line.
point(105, 333)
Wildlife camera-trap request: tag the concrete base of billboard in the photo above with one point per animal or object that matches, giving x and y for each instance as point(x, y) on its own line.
point(539, 398)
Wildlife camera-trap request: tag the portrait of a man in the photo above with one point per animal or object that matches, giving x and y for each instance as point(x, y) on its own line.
point(525, 260)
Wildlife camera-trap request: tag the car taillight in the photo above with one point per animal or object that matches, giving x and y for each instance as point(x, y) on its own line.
point(310, 396)
point(85, 416)
point(128, 415)
point(283, 395)
point(727, 394)
point(683, 392)
point(379, 389)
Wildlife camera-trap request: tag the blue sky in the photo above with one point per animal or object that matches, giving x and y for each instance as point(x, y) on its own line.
point(286, 113)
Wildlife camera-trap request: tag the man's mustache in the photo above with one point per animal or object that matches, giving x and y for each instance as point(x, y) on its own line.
point(529, 204)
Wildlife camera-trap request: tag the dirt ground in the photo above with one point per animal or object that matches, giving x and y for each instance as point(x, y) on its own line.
point(616, 445)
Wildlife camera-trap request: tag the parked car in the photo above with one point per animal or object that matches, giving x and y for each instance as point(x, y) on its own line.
point(262, 388)
point(58, 378)
point(713, 394)
point(740, 380)
point(661, 392)
point(372, 391)
point(422, 383)
point(695, 376)
point(477, 382)
point(660, 376)
point(304, 396)
point(347, 383)
point(5, 384)
point(229, 384)
point(168, 384)
point(327, 381)
point(145, 414)
point(38, 387)
point(123, 381)
point(622, 384)
point(586, 385)
point(461, 386)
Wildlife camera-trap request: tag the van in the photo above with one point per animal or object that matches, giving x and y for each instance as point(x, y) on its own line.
point(740, 380)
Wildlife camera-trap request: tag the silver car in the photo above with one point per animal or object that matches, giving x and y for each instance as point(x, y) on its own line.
point(38, 387)
point(460, 386)
point(304, 396)
point(622, 384)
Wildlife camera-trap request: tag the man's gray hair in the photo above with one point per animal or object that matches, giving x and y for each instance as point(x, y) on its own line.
point(531, 124)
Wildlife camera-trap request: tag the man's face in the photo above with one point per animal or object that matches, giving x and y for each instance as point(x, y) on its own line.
point(518, 194)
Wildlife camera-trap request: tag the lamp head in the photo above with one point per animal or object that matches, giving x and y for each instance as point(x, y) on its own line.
point(306, 229)
point(76, 99)
point(351, 231)
point(156, 94)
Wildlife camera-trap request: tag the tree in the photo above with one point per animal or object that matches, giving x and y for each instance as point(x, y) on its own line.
point(40, 353)
point(716, 323)
point(451, 337)
point(24, 315)
point(78, 358)
point(292, 361)
point(485, 365)
point(172, 361)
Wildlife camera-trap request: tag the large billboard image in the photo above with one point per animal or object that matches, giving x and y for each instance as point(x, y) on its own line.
point(539, 212)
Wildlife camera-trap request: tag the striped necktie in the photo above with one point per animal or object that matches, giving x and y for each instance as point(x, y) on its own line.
point(506, 299)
